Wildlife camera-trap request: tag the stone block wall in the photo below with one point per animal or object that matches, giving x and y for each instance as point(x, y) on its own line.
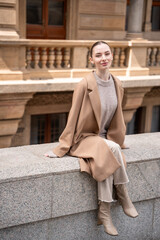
point(48, 198)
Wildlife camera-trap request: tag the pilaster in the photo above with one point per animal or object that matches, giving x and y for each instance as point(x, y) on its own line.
point(9, 19)
point(133, 98)
point(147, 25)
point(12, 107)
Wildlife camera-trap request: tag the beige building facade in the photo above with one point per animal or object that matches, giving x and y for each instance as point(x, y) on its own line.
point(44, 52)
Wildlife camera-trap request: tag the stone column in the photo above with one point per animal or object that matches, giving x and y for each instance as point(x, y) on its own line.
point(147, 25)
point(135, 19)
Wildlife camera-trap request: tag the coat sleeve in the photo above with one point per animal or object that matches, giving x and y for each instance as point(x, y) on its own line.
point(66, 138)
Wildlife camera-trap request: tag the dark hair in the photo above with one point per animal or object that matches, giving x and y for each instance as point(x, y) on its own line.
point(95, 44)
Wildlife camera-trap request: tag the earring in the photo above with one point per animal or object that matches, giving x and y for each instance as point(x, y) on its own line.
point(92, 64)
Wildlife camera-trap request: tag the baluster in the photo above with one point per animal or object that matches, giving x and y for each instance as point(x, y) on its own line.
point(36, 58)
point(153, 56)
point(58, 57)
point(122, 58)
point(51, 58)
point(116, 57)
point(44, 57)
point(66, 57)
point(158, 57)
point(28, 58)
point(149, 50)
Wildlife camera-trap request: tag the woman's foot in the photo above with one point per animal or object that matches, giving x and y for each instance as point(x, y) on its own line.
point(125, 201)
point(104, 217)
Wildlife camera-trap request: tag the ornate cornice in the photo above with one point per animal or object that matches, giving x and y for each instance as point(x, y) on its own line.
point(155, 92)
point(50, 98)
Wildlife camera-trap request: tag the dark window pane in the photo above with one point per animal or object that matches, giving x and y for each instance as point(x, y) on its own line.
point(47, 128)
point(55, 12)
point(37, 129)
point(155, 18)
point(155, 127)
point(131, 125)
point(136, 125)
point(58, 123)
point(34, 12)
point(126, 22)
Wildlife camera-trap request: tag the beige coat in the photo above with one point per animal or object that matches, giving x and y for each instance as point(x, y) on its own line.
point(80, 136)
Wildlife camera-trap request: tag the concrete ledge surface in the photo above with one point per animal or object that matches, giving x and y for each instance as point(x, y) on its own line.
point(38, 193)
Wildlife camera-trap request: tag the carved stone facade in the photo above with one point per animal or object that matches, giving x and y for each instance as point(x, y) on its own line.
point(41, 99)
point(39, 76)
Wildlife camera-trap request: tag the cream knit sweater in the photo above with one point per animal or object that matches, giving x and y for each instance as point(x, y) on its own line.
point(108, 98)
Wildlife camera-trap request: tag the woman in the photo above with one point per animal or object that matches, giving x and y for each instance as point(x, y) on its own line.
point(95, 133)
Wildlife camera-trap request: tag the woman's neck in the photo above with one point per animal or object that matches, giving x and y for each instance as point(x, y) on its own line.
point(104, 75)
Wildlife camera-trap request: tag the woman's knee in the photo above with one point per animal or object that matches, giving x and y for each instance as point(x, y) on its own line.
point(115, 147)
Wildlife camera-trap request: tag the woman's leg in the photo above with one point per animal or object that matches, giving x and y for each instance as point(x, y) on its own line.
point(105, 188)
point(120, 178)
point(105, 192)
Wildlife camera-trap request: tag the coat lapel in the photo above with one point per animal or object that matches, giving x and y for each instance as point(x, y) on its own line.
point(94, 97)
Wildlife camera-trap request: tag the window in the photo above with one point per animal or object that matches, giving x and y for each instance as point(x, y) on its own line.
point(155, 17)
point(46, 19)
point(127, 11)
point(136, 125)
point(155, 127)
point(47, 128)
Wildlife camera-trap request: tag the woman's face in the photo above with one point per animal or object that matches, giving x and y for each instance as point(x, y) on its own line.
point(101, 57)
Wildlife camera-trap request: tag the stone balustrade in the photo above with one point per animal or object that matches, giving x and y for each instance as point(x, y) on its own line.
point(58, 57)
point(48, 58)
point(49, 199)
point(43, 59)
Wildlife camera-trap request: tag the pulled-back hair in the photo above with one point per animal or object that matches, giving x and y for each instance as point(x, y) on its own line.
point(95, 44)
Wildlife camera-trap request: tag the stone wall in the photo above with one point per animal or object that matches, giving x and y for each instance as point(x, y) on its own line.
point(44, 198)
point(98, 19)
point(54, 96)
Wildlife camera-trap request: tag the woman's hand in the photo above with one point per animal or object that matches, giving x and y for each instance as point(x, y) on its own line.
point(50, 154)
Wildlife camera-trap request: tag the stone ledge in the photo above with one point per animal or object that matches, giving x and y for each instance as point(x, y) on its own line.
point(68, 84)
point(30, 161)
point(34, 188)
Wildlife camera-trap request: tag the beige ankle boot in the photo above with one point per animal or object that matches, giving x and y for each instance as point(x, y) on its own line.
point(125, 201)
point(104, 217)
